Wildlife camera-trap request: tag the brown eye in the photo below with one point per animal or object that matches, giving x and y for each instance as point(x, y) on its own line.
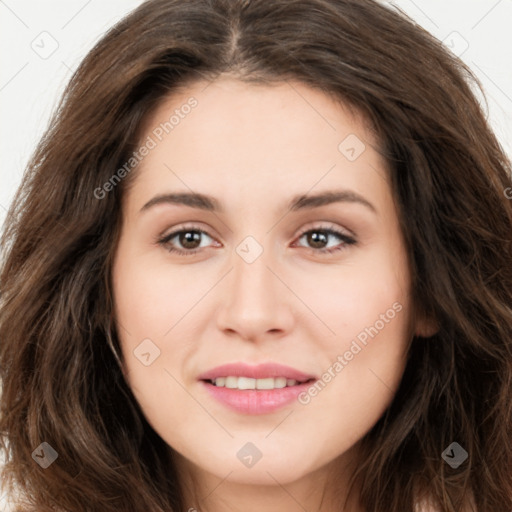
point(189, 239)
point(318, 240)
point(184, 241)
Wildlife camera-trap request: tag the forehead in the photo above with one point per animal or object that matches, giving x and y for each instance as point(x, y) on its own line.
point(233, 137)
point(226, 105)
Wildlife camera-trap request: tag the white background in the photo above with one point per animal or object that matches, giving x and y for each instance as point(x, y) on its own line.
point(31, 82)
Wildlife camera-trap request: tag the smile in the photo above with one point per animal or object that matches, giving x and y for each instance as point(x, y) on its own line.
point(233, 382)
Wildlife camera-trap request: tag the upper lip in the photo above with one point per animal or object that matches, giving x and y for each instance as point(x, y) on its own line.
point(260, 371)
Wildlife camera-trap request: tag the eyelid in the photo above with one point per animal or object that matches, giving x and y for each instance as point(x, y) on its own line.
point(182, 227)
point(329, 226)
point(161, 239)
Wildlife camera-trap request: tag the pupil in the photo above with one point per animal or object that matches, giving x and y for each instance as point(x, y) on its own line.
point(317, 237)
point(189, 238)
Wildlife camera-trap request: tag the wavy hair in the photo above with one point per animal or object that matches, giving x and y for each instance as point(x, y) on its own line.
point(450, 177)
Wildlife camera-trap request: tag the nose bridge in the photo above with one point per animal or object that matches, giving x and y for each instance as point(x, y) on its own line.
point(255, 301)
point(251, 280)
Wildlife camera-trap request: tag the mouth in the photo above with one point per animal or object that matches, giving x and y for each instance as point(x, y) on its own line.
point(265, 384)
point(258, 389)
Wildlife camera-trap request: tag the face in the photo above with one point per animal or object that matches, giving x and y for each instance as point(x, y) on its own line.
point(293, 272)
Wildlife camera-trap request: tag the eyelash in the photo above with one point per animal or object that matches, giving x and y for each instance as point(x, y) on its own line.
point(164, 241)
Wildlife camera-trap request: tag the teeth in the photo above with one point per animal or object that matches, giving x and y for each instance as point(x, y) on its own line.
point(231, 382)
point(280, 382)
point(248, 383)
point(266, 383)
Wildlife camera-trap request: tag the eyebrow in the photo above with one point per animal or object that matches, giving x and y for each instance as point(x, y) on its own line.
point(299, 202)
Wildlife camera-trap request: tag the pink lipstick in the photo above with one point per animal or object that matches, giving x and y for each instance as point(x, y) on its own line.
point(258, 389)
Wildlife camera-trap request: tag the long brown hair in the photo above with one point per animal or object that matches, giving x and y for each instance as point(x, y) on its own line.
point(61, 383)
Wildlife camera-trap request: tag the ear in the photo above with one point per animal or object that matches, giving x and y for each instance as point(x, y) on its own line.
point(425, 326)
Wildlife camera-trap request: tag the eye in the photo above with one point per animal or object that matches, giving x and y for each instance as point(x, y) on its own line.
point(187, 241)
point(188, 238)
point(318, 238)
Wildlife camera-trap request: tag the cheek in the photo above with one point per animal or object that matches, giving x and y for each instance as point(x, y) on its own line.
point(368, 311)
point(368, 290)
point(151, 297)
point(148, 303)
point(152, 302)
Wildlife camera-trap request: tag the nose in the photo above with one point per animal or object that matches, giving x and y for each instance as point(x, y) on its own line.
point(256, 302)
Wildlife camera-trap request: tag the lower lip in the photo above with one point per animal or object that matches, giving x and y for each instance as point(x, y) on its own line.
point(251, 401)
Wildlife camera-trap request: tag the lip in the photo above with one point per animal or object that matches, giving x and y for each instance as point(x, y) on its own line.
point(250, 401)
point(260, 371)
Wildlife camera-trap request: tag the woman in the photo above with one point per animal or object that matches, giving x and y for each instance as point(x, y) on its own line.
point(261, 259)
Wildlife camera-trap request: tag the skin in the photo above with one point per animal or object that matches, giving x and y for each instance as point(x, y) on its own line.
point(254, 147)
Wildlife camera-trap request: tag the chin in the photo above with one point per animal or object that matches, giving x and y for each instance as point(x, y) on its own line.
point(268, 473)
point(246, 464)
